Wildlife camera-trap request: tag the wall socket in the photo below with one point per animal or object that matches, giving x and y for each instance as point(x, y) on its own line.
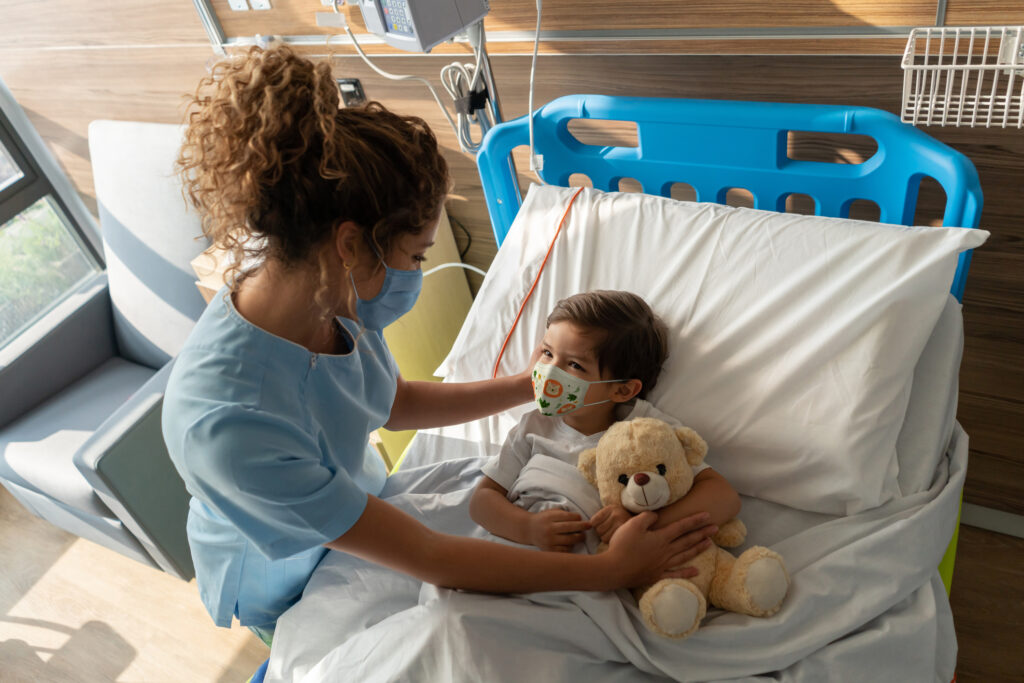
point(239, 5)
point(352, 93)
point(260, 4)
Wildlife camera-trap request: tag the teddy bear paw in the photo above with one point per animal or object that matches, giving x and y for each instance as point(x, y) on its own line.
point(766, 582)
point(673, 608)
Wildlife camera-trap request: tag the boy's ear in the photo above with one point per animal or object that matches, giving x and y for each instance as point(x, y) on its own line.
point(624, 391)
point(587, 465)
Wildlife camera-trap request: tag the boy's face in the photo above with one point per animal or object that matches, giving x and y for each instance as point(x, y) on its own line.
point(574, 349)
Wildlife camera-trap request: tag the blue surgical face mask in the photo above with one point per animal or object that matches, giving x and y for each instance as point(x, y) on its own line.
point(397, 296)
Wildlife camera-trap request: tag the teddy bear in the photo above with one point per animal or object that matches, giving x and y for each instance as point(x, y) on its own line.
point(645, 464)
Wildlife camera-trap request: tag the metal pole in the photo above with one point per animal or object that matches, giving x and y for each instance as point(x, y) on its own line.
point(213, 28)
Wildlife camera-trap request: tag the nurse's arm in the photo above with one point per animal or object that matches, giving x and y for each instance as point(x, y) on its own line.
point(387, 536)
point(419, 405)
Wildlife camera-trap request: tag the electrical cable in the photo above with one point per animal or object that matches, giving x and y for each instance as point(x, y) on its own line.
point(454, 265)
point(459, 80)
point(401, 77)
point(536, 160)
point(543, 263)
point(469, 237)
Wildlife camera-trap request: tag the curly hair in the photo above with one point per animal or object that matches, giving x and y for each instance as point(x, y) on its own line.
point(274, 165)
point(634, 340)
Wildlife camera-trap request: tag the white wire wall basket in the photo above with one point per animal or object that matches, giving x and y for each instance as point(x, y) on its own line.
point(964, 76)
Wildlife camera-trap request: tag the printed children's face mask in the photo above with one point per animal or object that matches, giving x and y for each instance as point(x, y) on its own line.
point(559, 393)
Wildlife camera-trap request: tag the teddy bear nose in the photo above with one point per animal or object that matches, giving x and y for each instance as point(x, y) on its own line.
point(641, 479)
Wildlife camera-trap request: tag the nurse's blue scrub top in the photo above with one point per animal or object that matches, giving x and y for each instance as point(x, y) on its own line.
point(271, 440)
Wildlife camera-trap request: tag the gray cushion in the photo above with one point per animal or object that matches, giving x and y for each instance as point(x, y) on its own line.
point(62, 346)
point(36, 450)
point(150, 235)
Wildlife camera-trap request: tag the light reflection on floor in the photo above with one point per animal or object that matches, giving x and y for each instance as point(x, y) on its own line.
point(71, 610)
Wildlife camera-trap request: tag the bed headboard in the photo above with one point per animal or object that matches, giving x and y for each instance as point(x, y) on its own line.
point(716, 145)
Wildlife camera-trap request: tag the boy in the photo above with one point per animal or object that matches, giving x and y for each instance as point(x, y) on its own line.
point(601, 355)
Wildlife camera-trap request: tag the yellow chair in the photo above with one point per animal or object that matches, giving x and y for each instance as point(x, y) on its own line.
point(421, 338)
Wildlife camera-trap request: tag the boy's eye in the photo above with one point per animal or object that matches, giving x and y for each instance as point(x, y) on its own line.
point(623, 479)
point(545, 353)
point(419, 258)
point(662, 469)
point(577, 366)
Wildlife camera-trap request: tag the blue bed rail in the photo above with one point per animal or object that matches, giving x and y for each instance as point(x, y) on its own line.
point(716, 145)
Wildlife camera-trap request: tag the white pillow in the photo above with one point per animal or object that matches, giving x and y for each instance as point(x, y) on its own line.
point(793, 338)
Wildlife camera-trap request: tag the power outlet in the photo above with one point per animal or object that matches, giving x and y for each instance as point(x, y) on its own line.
point(260, 4)
point(239, 5)
point(352, 93)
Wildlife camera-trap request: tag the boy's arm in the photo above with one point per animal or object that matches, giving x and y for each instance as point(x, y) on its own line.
point(711, 493)
point(557, 530)
point(490, 508)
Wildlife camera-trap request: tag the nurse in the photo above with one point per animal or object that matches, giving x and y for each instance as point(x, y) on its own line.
point(272, 399)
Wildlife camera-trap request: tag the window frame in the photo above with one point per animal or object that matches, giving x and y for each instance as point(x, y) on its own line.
point(42, 176)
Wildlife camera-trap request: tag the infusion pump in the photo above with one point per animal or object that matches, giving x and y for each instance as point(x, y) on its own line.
point(419, 25)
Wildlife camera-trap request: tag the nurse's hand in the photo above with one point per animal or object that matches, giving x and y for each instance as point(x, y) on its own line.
point(641, 556)
point(527, 374)
point(524, 379)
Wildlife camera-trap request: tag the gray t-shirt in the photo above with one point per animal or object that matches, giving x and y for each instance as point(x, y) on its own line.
point(539, 435)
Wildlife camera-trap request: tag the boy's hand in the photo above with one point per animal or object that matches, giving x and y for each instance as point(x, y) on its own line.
point(557, 530)
point(608, 519)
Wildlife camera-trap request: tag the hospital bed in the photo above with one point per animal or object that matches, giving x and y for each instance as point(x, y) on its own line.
point(816, 354)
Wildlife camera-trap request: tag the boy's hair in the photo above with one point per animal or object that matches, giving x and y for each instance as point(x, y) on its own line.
point(634, 342)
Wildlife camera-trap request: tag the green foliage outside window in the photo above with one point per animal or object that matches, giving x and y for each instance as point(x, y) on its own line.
point(39, 263)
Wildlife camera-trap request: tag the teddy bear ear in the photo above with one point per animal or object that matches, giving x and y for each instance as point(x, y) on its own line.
point(587, 465)
point(694, 446)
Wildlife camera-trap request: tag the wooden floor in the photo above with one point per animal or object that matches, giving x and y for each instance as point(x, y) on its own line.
point(73, 611)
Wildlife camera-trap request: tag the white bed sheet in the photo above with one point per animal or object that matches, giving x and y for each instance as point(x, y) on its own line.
point(866, 602)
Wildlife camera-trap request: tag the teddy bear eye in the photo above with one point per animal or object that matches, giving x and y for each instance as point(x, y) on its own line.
point(623, 479)
point(661, 470)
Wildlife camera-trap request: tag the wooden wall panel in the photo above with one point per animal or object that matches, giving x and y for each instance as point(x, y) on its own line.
point(583, 15)
point(298, 18)
point(62, 91)
point(984, 13)
point(76, 24)
point(705, 46)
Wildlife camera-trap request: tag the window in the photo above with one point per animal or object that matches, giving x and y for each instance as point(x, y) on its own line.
point(44, 254)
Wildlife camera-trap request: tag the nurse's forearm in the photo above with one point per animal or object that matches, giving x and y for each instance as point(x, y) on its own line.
point(387, 536)
point(419, 405)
